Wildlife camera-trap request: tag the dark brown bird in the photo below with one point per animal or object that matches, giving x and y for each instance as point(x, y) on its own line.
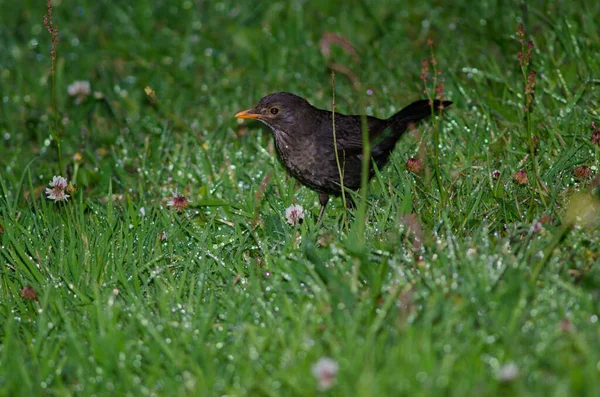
point(304, 139)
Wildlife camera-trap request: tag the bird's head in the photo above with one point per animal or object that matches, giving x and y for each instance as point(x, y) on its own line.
point(281, 111)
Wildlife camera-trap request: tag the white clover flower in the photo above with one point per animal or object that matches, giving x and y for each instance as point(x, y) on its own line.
point(508, 372)
point(80, 90)
point(57, 188)
point(59, 182)
point(294, 214)
point(325, 370)
point(178, 202)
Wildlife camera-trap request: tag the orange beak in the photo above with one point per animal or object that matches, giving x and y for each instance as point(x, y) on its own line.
point(248, 114)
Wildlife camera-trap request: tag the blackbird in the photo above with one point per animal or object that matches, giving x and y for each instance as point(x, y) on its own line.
point(304, 140)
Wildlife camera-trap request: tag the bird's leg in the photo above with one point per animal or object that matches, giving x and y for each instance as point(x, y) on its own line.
point(350, 204)
point(323, 198)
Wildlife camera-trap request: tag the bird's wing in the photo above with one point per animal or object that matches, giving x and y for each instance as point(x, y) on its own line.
point(349, 132)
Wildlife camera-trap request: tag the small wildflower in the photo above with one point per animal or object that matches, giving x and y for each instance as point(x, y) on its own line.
point(529, 89)
point(496, 174)
point(508, 372)
point(162, 236)
point(59, 182)
point(151, 94)
point(566, 326)
point(583, 172)
point(142, 212)
point(179, 202)
point(57, 188)
point(414, 165)
point(530, 82)
point(530, 47)
point(28, 293)
point(325, 370)
point(525, 56)
point(536, 227)
point(294, 214)
point(521, 33)
point(434, 77)
point(54, 33)
point(439, 91)
point(80, 90)
point(424, 70)
point(521, 177)
point(77, 157)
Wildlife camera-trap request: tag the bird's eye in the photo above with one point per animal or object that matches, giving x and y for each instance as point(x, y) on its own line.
point(274, 111)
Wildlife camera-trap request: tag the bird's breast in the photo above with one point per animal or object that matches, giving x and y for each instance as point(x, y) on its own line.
point(311, 160)
point(300, 156)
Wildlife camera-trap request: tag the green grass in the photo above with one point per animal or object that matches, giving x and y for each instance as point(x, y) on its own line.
point(234, 301)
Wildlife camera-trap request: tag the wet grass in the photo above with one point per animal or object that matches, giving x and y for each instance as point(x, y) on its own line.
point(493, 292)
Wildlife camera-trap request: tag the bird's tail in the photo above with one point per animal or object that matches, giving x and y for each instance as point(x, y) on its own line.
point(418, 110)
point(399, 123)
